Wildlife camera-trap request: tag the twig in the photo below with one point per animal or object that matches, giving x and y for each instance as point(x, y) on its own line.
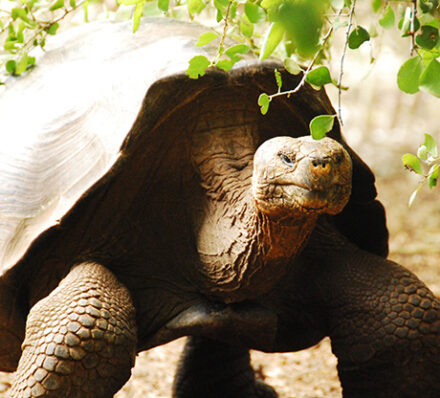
point(225, 31)
point(41, 30)
point(412, 29)
point(309, 67)
point(344, 51)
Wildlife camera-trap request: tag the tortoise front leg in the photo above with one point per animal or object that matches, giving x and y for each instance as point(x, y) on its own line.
point(385, 331)
point(212, 369)
point(383, 322)
point(80, 340)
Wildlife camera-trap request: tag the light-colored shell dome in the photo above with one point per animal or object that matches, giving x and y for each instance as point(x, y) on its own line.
point(62, 126)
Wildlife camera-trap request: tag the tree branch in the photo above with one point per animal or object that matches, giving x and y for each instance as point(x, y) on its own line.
point(344, 51)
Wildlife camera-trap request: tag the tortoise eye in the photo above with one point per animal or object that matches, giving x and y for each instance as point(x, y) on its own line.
point(286, 160)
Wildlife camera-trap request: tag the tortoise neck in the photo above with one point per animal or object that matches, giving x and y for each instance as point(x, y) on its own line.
point(282, 238)
point(243, 252)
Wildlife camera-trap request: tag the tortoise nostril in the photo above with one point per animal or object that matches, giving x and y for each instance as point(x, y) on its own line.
point(321, 166)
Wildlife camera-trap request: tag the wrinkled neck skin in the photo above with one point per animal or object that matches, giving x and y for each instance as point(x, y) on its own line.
point(242, 252)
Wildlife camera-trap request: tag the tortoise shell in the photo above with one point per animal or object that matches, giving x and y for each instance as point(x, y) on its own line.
point(104, 121)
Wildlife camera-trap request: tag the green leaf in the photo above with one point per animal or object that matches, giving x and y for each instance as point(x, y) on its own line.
point(376, 4)
point(20, 35)
point(163, 5)
point(137, 14)
point(233, 10)
point(292, 67)
point(254, 12)
point(221, 6)
point(197, 66)
point(278, 79)
point(430, 79)
point(428, 37)
point(206, 38)
point(409, 74)
point(388, 19)
point(427, 5)
point(195, 6)
point(433, 175)
point(19, 13)
point(52, 29)
point(11, 30)
point(273, 37)
point(357, 37)
point(10, 45)
point(21, 65)
point(303, 20)
point(319, 76)
point(246, 28)
point(225, 64)
point(412, 163)
point(11, 65)
point(72, 3)
point(321, 125)
point(271, 5)
point(430, 145)
point(58, 4)
point(263, 101)
point(237, 49)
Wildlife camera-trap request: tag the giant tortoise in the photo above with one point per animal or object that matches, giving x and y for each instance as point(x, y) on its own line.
point(138, 205)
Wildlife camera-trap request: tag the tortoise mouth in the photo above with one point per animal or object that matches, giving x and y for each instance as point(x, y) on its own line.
point(298, 197)
point(307, 198)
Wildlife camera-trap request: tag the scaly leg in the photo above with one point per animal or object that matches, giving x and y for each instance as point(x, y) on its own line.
point(80, 340)
point(384, 323)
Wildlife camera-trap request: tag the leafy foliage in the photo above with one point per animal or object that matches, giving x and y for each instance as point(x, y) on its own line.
point(298, 32)
point(357, 37)
point(321, 125)
point(426, 164)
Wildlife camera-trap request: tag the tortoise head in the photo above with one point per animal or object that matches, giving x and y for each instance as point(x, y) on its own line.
point(301, 176)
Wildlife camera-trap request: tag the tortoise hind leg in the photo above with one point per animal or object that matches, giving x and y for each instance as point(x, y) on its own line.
point(211, 369)
point(80, 340)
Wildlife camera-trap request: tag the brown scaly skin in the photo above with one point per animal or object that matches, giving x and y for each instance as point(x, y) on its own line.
point(80, 340)
point(243, 248)
point(85, 328)
point(333, 288)
point(383, 322)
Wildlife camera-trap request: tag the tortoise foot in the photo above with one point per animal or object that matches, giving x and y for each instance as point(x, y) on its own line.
point(80, 340)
